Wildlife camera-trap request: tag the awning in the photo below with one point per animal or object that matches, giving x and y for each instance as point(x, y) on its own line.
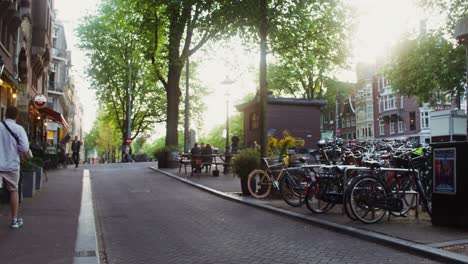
point(55, 116)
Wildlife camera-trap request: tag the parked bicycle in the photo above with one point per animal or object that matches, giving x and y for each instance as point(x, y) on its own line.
point(290, 182)
point(370, 197)
point(328, 188)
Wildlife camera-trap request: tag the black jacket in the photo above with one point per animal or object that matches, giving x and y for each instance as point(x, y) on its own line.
point(76, 145)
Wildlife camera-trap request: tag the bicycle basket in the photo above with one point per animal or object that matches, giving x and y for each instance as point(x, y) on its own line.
point(419, 162)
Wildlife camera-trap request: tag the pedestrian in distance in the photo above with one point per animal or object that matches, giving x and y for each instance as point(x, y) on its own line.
point(195, 153)
point(207, 157)
point(76, 146)
point(14, 144)
point(235, 143)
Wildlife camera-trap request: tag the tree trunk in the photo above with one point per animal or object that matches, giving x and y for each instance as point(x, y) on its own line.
point(173, 99)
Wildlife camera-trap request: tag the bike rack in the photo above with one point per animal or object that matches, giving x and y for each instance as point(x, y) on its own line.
point(350, 168)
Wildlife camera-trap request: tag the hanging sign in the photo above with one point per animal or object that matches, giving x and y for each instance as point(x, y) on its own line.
point(40, 101)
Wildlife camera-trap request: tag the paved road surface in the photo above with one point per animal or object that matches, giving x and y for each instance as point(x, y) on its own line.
point(145, 217)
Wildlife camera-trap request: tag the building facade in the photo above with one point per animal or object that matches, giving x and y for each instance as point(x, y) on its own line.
point(59, 83)
point(339, 119)
point(28, 61)
point(300, 117)
point(365, 103)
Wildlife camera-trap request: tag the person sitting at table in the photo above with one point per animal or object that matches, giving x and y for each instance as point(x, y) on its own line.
point(207, 157)
point(196, 158)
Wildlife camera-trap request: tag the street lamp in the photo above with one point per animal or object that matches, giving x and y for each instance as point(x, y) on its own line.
point(227, 152)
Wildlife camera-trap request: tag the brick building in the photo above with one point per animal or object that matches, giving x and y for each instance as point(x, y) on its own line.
point(300, 117)
point(26, 55)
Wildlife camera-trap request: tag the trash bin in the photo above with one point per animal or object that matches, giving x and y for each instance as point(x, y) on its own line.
point(450, 184)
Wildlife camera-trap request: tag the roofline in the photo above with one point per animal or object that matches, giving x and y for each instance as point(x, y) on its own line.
point(285, 101)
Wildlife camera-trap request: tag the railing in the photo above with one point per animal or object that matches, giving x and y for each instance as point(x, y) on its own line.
point(55, 86)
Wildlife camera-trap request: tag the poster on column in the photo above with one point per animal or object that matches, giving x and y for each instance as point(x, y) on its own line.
point(445, 180)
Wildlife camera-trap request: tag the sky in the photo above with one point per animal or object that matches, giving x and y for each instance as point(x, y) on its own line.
point(380, 23)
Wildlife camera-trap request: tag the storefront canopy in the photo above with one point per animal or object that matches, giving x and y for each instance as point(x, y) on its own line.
point(55, 116)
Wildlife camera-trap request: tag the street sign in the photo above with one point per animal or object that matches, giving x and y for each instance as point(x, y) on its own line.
point(128, 141)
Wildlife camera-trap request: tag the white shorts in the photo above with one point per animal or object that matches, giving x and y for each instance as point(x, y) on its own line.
point(11, 178)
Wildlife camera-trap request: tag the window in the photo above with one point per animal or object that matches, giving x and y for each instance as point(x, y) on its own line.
point(4, 34)
point(425, 119)
point(401, 102)
point(254, 121)
point(391, 99)
point(389, 102)
point(392, 127)
point(381, 127)
point(400, 126)
point(412, 120)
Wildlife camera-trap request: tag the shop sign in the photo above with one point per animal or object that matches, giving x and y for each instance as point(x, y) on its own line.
point(40, 101)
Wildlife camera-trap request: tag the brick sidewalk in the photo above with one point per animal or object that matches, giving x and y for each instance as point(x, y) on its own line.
point(50, 222)
point(418, 230)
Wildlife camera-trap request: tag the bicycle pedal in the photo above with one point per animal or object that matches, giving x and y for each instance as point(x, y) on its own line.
point(276, 184)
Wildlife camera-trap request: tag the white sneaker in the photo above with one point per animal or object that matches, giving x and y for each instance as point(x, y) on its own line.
point(16, 224)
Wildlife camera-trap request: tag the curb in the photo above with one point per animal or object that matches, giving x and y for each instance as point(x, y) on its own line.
point(423, 250)
point(86, 247)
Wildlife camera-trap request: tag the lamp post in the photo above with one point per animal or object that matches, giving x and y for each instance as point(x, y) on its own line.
point(187, 110)
point(126, 142)
point(227, 152)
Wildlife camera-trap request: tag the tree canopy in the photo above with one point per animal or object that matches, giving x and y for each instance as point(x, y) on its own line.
point(113, 44)
point(452, 9)
point(309, 47)
point(429, 67)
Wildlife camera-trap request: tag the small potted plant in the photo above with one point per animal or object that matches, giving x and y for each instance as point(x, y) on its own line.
point(39, 164)
point(28, 175)
point(246, 161)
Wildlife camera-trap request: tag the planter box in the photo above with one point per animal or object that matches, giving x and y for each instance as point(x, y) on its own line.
point(39, 173)
point(29, 183)
point(172, 159)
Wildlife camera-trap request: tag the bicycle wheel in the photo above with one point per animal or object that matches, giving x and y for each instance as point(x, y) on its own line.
point(347, 197)
point(368, 199)
point(259, 184)
point(292, 188)
point(404, 189)
point(316, 197)
point(426, 203)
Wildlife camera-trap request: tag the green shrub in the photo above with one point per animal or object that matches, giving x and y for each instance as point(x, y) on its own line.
point(27, 165)
point(246, 161)
point(160, 153)
point(38, 162)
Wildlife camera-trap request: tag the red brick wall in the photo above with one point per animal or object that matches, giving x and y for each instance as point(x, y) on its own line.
point(299, 120)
